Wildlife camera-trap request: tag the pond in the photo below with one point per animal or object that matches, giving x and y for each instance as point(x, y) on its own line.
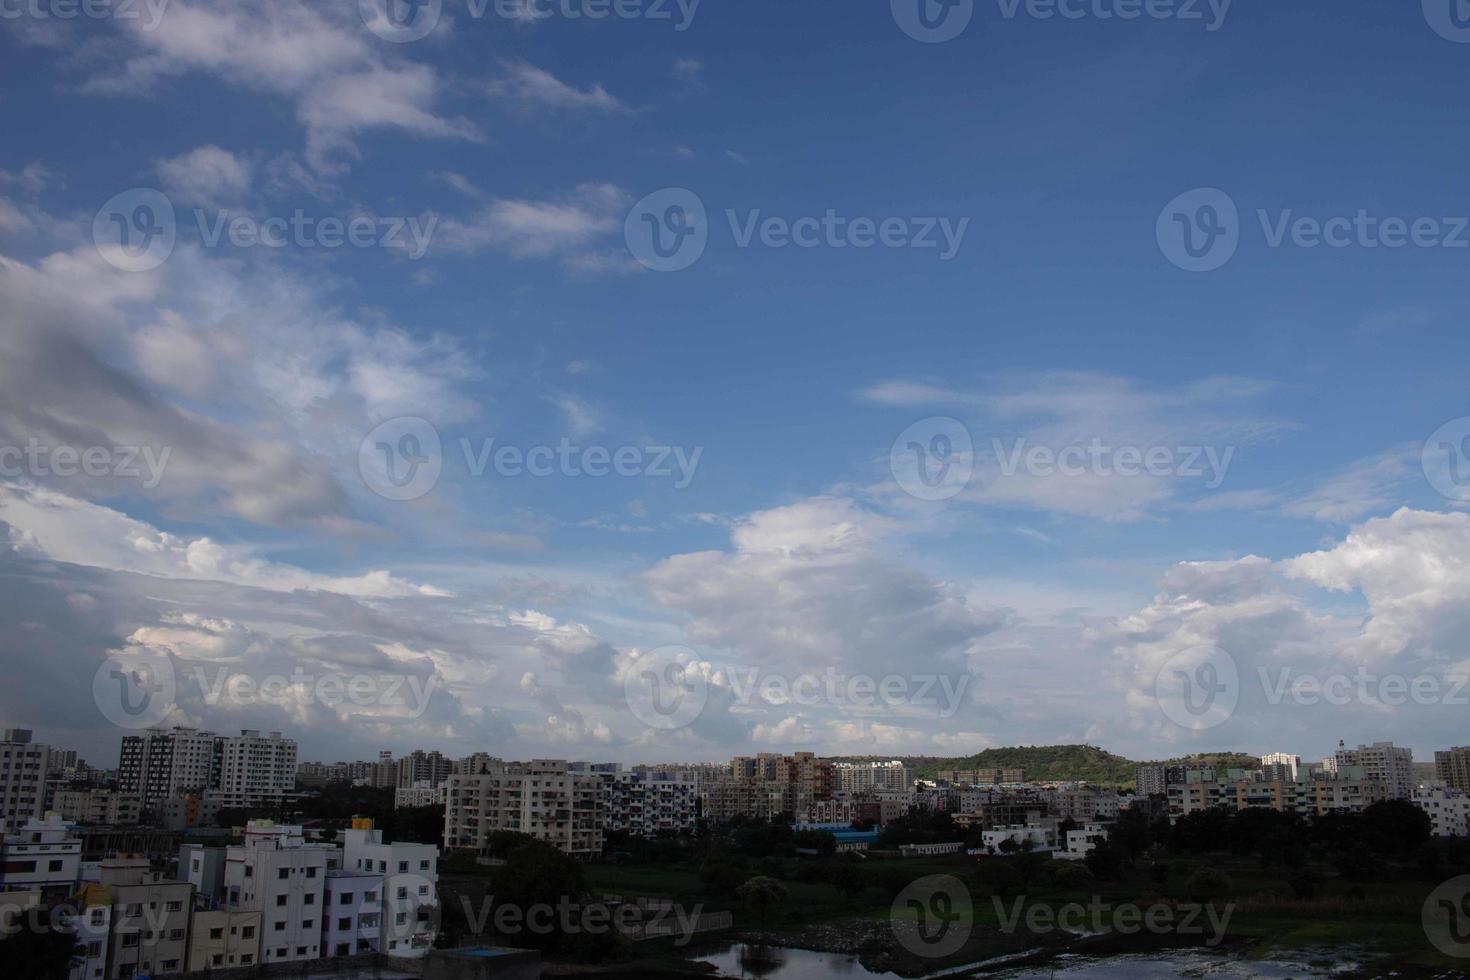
point(780, 963)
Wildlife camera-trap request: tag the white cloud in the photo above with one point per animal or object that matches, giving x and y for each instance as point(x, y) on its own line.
point(207, 176)
point(527, 87)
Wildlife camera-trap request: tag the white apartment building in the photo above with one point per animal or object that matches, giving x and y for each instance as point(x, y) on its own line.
point(648, 803)
point(1281, 765)
point(420, 794)
point(1042, 834)
point(164, 762)
point(222, 939)
point(410, 888)
point(92, 927)
point(276, 873)
point(542, 798)
point(252, 768)
point(23, 768)
point(1448, 809)
point(352, 913)
point(1082, 842)
point(870, 777)
point(244, 770)
point(1384, 762)
point(43, 854)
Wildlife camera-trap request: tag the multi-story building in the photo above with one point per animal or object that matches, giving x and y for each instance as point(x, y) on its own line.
point(1384, 762)
point(44, 855)
point(1281, 765)
point(23, 769)
point(1448, 809)
point(353, 912)
point(422, 794)
point(869, 777)
point(648, 802)
point(276, 873)
point(420, 767)
point(249, 769)
point(149, 919)
point(98, 806)
point(542, 798)
point(223, 939)
point(1453, 767)
point(1148, 779)
point(204, 868)
point(982, 777)
point(410, 878)
point(1349, 792)
point(164, 762)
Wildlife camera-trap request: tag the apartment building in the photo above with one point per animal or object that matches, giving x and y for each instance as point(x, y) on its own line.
point(149, 919)
point(23, 769)
point(353, 912)
point(410, 877)
point(1452, 767)
point(1350, 792)
point(870, 777)
point(420, 767)
point(276, 873)
point(223, 939)
point(1381, 761)
point(542, 798)
point(1148, 779)
point(204, 868)
point(981, 777)
point(98, 806)
point(648, 802)
point(249, 769)
point(1448, 809)
point(164, 762)
point(1281, 765)
point(44, 855)
point(421, 794)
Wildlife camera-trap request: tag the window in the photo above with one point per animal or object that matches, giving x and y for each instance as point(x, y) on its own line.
point(246, 959)
point(280, 926)
point(345, 923)
point(402, 865)
point(53, 865)
point(216, 933)
point(311, 872)
point(300, 950)
point(247, 932)
point(284, 873)
point(345, 898)
point(307, 923)
point(174, 906)
point(311, 898)
point(280, 900)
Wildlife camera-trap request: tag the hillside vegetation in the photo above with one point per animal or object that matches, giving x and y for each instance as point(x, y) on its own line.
point(1056, 762)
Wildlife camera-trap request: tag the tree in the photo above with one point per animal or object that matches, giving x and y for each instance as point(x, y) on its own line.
point(535, 874)
point(1208, 884)
point(38, 952)
point(1009, 846)
point(762, 895)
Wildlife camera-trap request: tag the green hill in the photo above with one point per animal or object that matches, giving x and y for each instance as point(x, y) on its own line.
point(1056, 762)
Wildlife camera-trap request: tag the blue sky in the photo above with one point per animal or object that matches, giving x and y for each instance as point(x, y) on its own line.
point(522, 144)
